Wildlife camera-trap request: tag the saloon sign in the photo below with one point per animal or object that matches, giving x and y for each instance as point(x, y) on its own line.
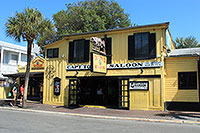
point(118, 66)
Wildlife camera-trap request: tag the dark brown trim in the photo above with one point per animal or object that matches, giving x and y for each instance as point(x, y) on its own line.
point(119, 29)
point(132, 76)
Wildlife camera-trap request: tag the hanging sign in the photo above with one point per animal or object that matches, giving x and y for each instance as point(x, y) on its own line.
point(98, 63)
point(138, 85)
point(57, 86)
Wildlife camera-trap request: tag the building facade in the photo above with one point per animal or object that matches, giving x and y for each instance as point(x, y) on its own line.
point(134, 71)
point(12, 56)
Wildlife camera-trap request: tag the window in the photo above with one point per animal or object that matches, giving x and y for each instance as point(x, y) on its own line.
point(23, 57)
point(14, 57)
point(79, 51)
point(187, 80)
point(52, 53)
point(142, 46)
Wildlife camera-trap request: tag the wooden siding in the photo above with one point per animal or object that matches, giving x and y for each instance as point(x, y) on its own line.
point(148, 100)
point(173, 66)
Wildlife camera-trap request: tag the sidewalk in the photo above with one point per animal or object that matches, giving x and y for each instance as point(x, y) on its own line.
point(141, 115)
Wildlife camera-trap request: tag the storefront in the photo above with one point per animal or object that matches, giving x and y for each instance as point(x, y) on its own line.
point(35, 79)
point(129, 74)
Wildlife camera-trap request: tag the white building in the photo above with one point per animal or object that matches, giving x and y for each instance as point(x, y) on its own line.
point(11, 56)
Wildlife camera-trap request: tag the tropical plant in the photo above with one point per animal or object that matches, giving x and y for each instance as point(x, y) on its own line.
point(27, 26)
point(188, 42)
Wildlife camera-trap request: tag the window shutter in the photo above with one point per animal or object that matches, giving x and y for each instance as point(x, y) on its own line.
point(152, 45)
point(86, 50)
point(71, 51)
point(131, 47)
point(109, 50)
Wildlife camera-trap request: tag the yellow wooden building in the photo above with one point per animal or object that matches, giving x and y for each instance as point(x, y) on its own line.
point(137, 73)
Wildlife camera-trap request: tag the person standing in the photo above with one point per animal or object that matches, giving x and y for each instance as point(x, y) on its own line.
point(14, 92)
point(21, 93)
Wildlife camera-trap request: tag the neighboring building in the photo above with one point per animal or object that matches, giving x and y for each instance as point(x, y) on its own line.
point(11, 56)
point(139, 73)
point(182, 79)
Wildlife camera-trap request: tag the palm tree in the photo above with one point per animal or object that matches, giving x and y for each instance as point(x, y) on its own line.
point(27, 26)
point(188, 42)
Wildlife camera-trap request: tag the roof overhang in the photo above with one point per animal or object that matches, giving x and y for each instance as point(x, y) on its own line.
point(15, 75)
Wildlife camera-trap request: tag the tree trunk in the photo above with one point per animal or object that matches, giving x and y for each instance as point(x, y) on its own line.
point(29, 48)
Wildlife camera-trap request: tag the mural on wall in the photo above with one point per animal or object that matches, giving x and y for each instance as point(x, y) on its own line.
point(50, 70)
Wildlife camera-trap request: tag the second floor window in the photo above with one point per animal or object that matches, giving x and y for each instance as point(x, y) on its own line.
point(52, 53)
point(79, 51)
point(142, 46)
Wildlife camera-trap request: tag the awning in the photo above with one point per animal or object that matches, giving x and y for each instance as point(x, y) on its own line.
point(15, 75)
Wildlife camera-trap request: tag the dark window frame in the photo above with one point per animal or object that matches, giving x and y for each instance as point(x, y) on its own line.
point(55, 53)
point(81, 58)
point(187, 80)
point(132, 43)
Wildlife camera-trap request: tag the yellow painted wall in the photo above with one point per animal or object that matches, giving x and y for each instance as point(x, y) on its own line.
point(59, 65)
point(4, 92)
point(119, 55)
point(173, 66)
point(147, 100)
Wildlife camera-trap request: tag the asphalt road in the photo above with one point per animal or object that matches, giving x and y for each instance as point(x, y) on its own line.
point(33, 122)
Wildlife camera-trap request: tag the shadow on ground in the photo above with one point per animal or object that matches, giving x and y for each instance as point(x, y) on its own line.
point(180, 115)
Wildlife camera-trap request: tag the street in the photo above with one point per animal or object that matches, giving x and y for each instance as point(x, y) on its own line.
point(33, 122)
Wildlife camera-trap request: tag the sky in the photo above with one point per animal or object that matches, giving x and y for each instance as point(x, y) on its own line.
point(183, 15)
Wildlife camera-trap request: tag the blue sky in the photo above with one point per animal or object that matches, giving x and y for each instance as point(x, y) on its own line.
point(183, 15)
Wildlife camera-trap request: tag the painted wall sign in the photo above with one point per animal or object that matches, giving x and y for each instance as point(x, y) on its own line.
point(77, 67)
point(138, 85)
point(37, 63)
point(135, 65)
point(98, 63)
point(57, 86)
point(118, 66)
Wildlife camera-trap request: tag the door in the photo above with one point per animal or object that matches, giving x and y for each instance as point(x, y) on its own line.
point(124, 102)
point(74, 92)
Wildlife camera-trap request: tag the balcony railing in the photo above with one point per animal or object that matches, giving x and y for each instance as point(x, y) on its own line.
point(8, 68)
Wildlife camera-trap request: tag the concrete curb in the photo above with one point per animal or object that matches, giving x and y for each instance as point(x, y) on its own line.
point(105, 117)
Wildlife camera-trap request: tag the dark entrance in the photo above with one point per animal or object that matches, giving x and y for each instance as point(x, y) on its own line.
point(34, 88)
point(99, 91)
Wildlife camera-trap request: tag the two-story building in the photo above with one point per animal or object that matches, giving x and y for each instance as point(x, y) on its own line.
point(12, 56)
point(132, 75)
